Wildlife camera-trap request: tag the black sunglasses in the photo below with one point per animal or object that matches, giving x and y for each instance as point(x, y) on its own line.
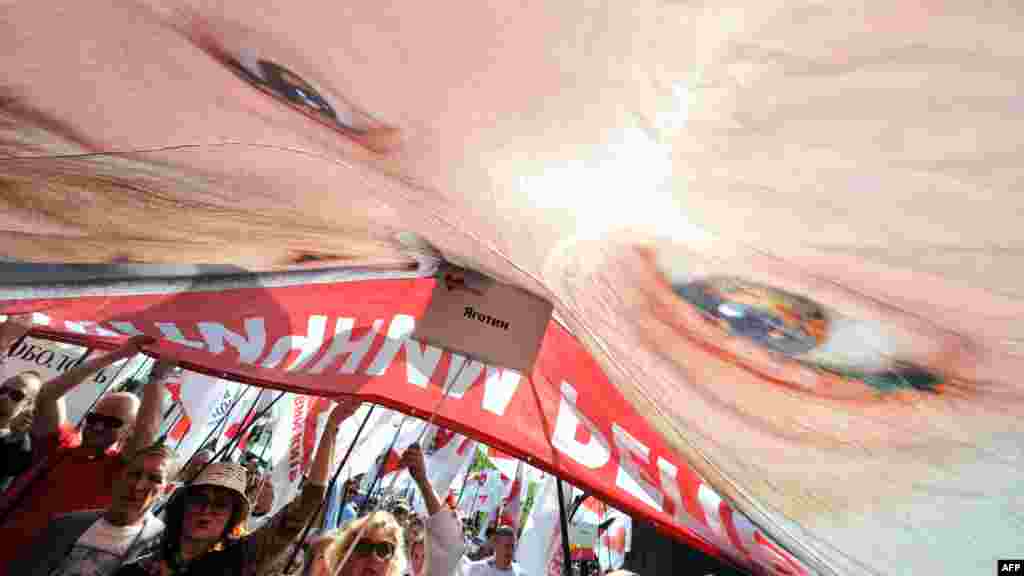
point(201, 500)
point(112, 422)
point(382, 550)
point(15, 394)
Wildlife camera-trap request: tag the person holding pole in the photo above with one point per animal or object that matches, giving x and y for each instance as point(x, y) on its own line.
point(98, 542)
point(444, 534)
point(202, 518)
point(74, 470)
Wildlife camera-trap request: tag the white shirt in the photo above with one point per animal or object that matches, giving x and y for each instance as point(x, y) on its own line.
point(486, 567)
point(101, 549)
point(448, 549)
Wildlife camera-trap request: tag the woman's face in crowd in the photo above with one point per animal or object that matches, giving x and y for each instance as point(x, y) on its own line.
point(370, 562)
point(207, 512)
point(604, 156)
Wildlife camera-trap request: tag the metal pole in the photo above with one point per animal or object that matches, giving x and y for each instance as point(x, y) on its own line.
point(566, 552)
point(167, 432)
point(226, 451)
point(384, 460)
point(216, 427)
point(465, 478)
point(476, 495)
point(238, 397)
point(330, 487)
point(243, 430)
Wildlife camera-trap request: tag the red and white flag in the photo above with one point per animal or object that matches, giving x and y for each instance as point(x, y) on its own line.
point(505, 463)
point(446, 463)
point(613, 540)
point(205, 402)
point(540, 546)
point(513, 501)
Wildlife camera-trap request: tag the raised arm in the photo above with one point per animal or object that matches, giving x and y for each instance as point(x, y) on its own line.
point(273, 539)
point(51, 411)
point(447, 546)
point(147, 423)
point(321, 468)
point(414, 461)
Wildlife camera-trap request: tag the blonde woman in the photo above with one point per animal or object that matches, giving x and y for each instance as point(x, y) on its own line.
point(375, 541)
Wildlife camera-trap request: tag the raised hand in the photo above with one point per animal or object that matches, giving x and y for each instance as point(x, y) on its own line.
point(163, 368)
point(413, 460)
point(133, 346)
point(345, 408)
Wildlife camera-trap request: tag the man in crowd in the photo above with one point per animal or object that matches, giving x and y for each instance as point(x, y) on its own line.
point(74, 471)
point(17, 401)
point(350, 508)
point(485, 550)
point(17, 398)
point(98, 542)
point(203, 520)
point(502, 563)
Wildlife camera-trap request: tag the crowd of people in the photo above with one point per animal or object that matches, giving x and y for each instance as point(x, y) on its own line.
point(111, 498)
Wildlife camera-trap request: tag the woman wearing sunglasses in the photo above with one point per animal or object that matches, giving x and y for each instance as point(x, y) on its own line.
point(202, 518)
point(376, 538)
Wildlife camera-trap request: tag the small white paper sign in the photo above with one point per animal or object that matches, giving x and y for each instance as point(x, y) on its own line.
point(483, 319)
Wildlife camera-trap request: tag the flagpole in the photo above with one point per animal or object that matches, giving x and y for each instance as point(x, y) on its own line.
point(330, 487)
point(247, 424)
point(377, 475)
point(167, 432)
point(465, 477)
point(238, 397)
point(242, 430)
point(433, 413)
point(472, 509)
point(216, 428)
point(566, 552)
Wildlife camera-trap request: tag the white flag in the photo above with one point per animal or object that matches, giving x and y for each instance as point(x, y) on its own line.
point(448, 459)
point(540, 547)
point(614, 540)
point(205, 401)
point(513, 500)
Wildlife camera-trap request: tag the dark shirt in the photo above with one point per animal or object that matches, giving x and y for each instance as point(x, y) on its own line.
point(15, 456)
point(250, 555)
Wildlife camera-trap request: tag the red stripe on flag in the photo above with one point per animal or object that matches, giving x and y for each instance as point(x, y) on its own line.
point(181, 428)
point(391, 463)
point(175, 389)
point(237, 427)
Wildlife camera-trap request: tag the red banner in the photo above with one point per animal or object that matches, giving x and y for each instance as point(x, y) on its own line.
point(353, 338)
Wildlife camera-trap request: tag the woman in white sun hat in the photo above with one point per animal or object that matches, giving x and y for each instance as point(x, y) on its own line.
point(202, 518)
